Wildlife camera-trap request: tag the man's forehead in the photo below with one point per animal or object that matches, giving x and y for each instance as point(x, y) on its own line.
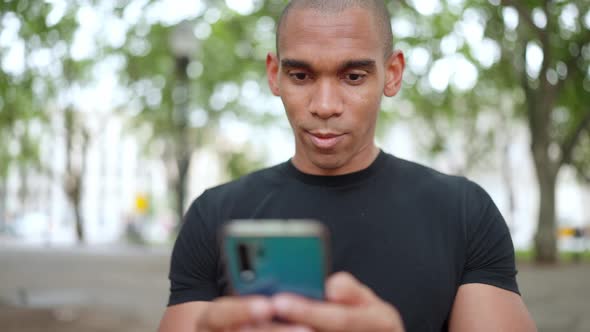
point(313, 19)
point(351, 30)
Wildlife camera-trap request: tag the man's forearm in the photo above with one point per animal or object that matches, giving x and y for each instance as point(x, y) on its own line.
point(183, 317)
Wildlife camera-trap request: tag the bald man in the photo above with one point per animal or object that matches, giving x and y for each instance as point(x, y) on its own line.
point(416, 250)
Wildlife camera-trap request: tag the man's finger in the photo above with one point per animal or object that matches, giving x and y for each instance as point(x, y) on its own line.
point(231, 312)
point(343, 287)
point(331, 317)
point(272, 327)
point(320, 316)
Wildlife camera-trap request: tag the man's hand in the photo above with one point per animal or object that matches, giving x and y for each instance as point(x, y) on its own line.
point(350, 306)
point(230, 314)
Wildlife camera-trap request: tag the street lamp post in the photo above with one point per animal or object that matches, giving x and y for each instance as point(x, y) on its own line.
point(183, 44)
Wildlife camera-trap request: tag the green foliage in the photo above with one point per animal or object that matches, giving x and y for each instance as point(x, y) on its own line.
point(24, 93)
point(229, 55)
point(528, 256)
point(39, 89)
point(241, 163)
point(503, 87)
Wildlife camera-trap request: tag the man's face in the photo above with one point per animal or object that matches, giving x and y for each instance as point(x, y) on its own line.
point(331, 76)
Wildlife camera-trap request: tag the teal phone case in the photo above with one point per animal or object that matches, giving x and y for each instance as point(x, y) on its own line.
point(277, 264)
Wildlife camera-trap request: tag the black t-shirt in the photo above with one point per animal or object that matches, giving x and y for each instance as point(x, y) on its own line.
point(411, 234)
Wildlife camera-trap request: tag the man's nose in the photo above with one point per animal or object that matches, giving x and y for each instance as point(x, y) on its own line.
point(326, 101)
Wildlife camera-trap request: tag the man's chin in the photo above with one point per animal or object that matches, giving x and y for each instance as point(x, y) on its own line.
point(328, 162)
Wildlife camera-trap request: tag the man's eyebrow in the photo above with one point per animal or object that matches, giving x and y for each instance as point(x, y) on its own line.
point(363, 63)
point(291, 63)
point(351, 64)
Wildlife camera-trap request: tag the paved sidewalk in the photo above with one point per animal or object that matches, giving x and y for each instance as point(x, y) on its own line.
point(124, 289)
point(558, 297)
point(119, 288)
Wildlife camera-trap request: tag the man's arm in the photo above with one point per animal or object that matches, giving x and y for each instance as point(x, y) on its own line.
point(488, 298)
point(480, 307)
point(182, 317)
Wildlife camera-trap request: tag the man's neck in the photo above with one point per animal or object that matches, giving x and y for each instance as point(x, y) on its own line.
point(360, 161)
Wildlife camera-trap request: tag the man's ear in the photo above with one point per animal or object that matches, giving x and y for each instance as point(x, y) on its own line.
point(394, 73)
point(272, 73)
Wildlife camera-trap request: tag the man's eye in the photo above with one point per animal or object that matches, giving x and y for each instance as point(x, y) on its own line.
point(354, 77)
point(299, 76)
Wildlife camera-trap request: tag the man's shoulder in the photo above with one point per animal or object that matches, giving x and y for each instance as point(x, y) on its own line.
point(420, 175)
point(428, 183)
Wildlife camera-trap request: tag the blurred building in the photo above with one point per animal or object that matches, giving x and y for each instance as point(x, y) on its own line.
point(118, 172)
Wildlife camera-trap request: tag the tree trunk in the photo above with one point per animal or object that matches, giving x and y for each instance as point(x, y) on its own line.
point(540, 103)
point(547, 170)
point(75, 133)
point(73, 188)
point(79, 224)
point(3, 214)
point(508, 184)
point(545, 238)
point(23, 190)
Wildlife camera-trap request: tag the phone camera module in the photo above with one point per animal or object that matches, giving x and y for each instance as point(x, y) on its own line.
point(246, 265)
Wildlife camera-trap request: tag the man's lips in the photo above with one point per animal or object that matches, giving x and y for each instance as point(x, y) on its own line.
point(325, 140)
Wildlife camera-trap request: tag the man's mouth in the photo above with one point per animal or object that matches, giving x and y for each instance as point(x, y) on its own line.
point(325, 140)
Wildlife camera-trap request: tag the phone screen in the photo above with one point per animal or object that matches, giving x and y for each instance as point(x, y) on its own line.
point(269, 257)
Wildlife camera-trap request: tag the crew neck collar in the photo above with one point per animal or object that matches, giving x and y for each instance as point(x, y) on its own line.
point(337, 180)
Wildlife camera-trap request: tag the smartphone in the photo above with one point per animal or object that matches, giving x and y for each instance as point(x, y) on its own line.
point(266, 257)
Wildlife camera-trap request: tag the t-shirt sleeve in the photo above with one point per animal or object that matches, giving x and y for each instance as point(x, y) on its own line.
point(194, 259)
point(490, 252)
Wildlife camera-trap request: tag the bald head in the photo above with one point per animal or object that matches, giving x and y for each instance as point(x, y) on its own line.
point(376, 8)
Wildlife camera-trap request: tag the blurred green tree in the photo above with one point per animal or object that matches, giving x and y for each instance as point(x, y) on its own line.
point(45, 72)
point(187, 76)
point(21, 97)
point(526, 60)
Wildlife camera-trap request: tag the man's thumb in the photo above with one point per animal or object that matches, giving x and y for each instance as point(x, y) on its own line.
point(343, 288)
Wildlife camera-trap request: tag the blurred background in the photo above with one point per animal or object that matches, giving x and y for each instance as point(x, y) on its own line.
point(116, 114)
